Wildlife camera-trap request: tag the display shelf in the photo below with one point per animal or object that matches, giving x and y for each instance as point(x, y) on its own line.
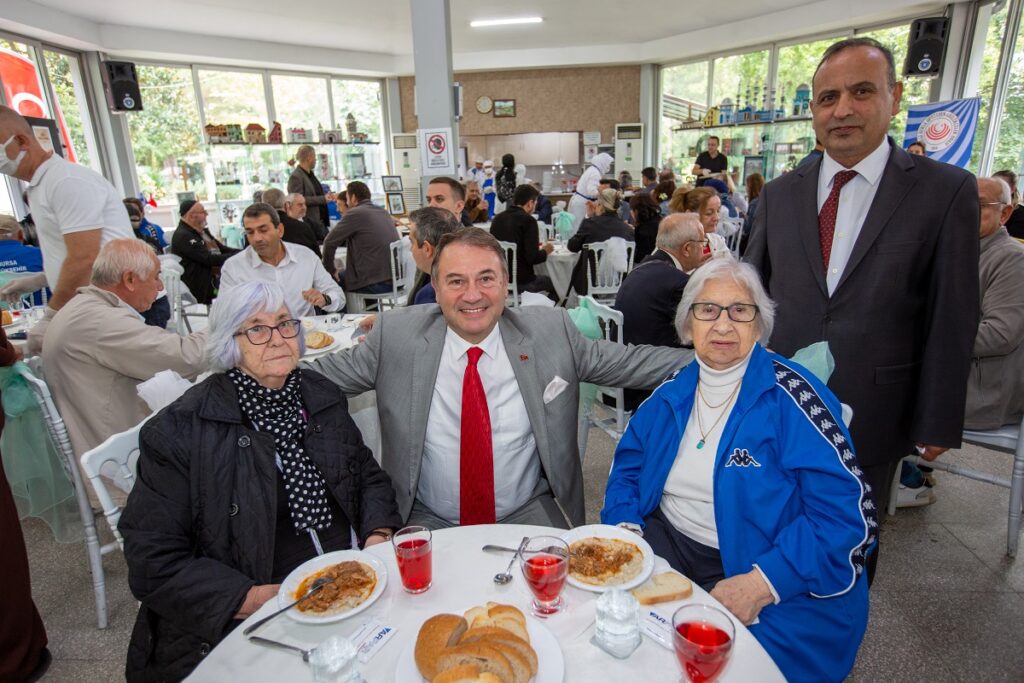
point(793, 135)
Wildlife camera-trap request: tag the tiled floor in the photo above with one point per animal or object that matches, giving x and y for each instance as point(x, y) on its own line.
point(947, 604)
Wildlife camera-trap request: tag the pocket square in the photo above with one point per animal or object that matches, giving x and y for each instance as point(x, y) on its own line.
point(554, 388)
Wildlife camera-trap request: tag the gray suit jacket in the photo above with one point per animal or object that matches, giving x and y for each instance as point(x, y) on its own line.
point(901, 322)
point(400, 359)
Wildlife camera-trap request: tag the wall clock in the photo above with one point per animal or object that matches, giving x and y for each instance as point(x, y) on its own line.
point(484, 104)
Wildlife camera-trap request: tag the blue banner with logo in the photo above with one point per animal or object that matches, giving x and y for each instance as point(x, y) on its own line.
point(946, 129)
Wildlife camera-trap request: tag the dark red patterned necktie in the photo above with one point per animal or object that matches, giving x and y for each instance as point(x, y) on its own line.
point(476, 464)
point(827, 215)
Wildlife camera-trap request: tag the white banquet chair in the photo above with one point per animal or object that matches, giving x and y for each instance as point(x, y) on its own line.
point(121, 450)
point(613, 424)
point(604, 277)
point(512, 257)
point(402, 274)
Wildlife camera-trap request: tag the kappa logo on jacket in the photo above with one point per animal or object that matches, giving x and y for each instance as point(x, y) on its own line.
point(741, 457)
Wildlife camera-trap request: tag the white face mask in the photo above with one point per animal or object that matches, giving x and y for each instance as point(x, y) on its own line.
point(10, 166)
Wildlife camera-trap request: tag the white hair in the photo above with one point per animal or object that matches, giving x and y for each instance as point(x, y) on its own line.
point(677, 229)
point(1005, 195)
point(742, 274)
point(293, 197)
point(117, 257)
point(228, 314)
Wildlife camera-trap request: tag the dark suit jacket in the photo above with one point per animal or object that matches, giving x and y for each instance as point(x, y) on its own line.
point(515, 225)
point(201, 266)
point(648, 299)
point(902, 321)
point(299, 232)
point(594, 229)
point(309, 186)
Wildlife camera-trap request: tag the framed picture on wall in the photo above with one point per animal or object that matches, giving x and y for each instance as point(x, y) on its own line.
point(396, 204)
point(752, 165)
point(392, 183)
point(504, 108)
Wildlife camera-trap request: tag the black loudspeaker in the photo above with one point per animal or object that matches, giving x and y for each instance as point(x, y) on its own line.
point(121, 84)
point(926, 46)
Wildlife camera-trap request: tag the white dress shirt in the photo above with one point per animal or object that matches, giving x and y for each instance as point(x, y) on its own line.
point(516, 462)
point(854, 202)
point(299, 270)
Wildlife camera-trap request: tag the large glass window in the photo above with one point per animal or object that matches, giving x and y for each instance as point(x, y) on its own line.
point(165, 135)
point(65, 76)
point(1009, 148)
point(236, 97)
point(915, 90)
point(301, 102)
point(741, 78)
point(684, 98)
point(796, 68)
point(986, 84)
point(362, 100)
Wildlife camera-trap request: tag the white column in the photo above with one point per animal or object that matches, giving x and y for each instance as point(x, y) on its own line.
point(432, 57)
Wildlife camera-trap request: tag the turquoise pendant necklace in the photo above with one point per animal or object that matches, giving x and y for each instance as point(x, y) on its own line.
point(700, 421)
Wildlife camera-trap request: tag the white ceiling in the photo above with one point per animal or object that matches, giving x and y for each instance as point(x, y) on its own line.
point(375, 38)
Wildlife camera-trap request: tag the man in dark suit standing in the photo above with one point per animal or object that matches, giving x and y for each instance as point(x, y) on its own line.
point(650, 293)
point(303, 181)
point(876, 252)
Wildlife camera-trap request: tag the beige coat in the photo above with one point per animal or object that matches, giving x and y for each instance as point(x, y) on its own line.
point(97, 350)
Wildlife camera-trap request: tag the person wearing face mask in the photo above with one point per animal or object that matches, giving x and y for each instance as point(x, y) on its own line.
point(487, 187)
point(76, 211)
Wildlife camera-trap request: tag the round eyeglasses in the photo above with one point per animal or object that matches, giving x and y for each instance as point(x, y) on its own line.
point(261, 334)
point(738, 312)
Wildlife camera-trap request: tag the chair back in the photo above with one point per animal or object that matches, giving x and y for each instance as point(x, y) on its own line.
point(604, 275)
point(733, 240)
point(512, 256)
point(403, 269)
point(171, 277)
point(122, 451)
point(610, 321)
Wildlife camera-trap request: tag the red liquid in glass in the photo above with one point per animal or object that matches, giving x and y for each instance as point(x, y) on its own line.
point(703, 650)
point(545, 575)
point(414, 564)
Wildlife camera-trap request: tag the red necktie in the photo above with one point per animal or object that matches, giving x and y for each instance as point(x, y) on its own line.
point(476, 464)
point(827, 215)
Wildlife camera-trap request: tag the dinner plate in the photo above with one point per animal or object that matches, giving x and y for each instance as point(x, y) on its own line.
point(285, 595)
point(607, 531)
point(312, 353)
point(550, 662)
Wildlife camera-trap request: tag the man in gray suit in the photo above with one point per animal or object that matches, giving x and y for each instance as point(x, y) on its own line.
point(478, 403)
point(876, 252)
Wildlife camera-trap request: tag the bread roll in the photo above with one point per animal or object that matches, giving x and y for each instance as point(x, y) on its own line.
point(466, 673)
point(491, 634)
point(664, 587)
point(436, 635)
point(485, 657)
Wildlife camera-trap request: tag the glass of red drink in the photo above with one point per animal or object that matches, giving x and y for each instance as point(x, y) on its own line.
point(545, 564)
point(702, 636)
point(412, 551)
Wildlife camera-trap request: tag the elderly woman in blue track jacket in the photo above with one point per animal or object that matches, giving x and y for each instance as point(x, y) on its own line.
point(740, 472)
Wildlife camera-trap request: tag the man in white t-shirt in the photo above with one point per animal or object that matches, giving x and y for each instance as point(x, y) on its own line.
point(76, 211)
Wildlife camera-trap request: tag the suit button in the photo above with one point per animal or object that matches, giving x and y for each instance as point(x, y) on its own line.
point(233, 510)
point(828, 319)
point(244, 441)
point(204, 649)
point(317, 428)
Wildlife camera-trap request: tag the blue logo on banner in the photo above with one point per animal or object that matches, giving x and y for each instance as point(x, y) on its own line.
point(945, 128)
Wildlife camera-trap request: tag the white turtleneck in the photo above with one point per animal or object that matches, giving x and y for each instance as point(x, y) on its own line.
point(689, 501)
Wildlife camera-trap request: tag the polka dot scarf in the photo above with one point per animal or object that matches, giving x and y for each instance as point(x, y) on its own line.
point(278, 412)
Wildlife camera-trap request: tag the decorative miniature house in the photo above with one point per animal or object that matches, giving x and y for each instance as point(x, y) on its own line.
point(726, 112)
point(255, 134)
point(802, 100)
point(234, 131)
point(275, 136)
point(300, 135)
point(215, 133)
point(332, 137)
point(711, 118)
point(359, 137)
point(351, 126)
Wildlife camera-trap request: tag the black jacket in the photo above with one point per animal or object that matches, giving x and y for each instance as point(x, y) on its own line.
point(309, 186)
point(199, 526)
point(515, 225)
point(594, 229)
point(648, 298)
point(299, 232)
point(202, 268)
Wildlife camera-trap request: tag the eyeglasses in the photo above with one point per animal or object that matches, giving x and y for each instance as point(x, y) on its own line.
point(984, 204)
point(261, 334)
point(738, 313)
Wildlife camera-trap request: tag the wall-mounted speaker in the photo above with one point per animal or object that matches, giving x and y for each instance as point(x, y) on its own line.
point(926, 46)
point(121, 85)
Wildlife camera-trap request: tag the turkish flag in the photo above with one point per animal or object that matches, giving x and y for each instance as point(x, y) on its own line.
point(23, 94)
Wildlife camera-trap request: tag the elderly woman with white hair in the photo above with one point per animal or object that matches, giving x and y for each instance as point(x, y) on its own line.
point(245, 477)
point(740, 473)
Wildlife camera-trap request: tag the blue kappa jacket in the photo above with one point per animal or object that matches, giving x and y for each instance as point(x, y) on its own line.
point(789, 497)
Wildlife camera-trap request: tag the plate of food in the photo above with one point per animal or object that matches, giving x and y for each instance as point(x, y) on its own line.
point(359, 578)
point(318, 342)
point(490, 640)
point(605, 557)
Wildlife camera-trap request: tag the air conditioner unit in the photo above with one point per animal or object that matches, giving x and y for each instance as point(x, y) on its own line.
point(629, 148)
point(407, 165)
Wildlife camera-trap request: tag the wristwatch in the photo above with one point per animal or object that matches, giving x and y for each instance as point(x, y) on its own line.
point(383, 533)
point(635, 528)
point(327, 300)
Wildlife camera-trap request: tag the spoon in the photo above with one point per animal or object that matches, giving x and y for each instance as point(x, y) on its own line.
point(502, 579)
point(317, 585)
point(273, 643)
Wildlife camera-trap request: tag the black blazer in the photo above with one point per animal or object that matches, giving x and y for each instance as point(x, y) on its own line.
point(902, 321)
point(309, 186)
point(595, 229)
point(515, 225)
point(299, 232)
point(648, 299)
point(202, 267)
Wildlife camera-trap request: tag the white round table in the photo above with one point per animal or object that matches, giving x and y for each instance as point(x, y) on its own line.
point(462, 578)
point(558, 266)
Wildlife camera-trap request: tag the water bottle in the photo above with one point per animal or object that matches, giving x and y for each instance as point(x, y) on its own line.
point(617, 627)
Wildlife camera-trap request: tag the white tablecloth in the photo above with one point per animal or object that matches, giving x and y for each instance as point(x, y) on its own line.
point(558, 267)
point(463, 578)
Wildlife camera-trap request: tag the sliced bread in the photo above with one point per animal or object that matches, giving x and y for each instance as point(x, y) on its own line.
point(437, 634)
point(491, 634)
point(483, 656)
point(664, 587)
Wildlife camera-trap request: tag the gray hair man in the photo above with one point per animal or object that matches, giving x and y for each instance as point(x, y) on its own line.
point(296, 230)
point(303, 181)
point(75, 210)
point(98, 349)
point(429, 225)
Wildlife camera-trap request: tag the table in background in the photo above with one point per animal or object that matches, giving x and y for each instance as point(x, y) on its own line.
point(558, 266)
point(463, 579)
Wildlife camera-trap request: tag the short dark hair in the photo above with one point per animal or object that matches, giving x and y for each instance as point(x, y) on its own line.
point(261, 209)
point(714, 137)
point(458, 191)
point(358, 190)
point(524, 194)
point(610, 182)
point(432, 223)
point(645, 206)
point(649, 173)
point(472, 237)
point(836, 48)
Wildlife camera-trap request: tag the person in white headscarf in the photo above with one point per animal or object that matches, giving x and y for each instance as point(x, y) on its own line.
point(586, 187)
point(476, 174)
point(487, 187)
